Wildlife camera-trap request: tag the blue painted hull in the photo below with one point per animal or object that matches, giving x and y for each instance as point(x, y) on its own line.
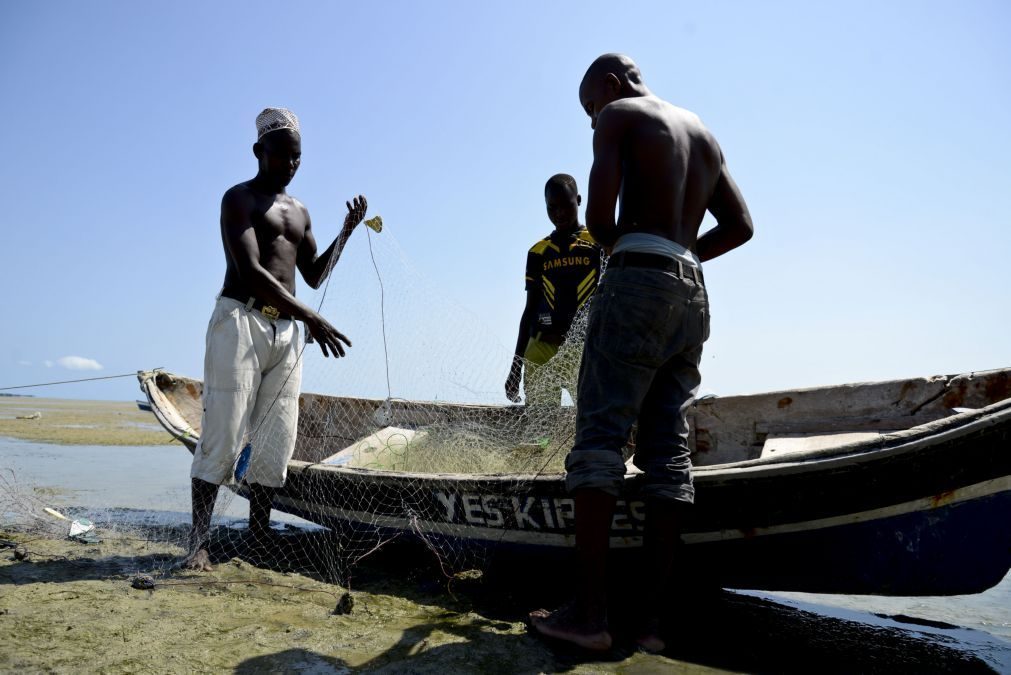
point(950, 550)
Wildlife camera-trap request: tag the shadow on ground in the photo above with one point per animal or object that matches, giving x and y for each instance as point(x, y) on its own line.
point(706, 627)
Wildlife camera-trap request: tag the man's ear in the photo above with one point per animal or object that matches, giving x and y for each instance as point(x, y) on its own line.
point(612, 82)
point(579, 200)
point(257, 149)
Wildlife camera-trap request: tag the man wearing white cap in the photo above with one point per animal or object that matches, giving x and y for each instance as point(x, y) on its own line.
point(252, 370)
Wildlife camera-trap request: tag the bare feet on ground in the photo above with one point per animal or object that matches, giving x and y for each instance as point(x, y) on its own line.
point(197, 561)
point(651, 642)
point(648, 636)
point(564, 624)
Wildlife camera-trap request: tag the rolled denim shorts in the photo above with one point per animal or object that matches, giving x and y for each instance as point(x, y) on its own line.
point(640, 364)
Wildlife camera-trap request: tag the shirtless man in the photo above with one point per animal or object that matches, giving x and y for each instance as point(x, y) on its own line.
point(645, 334)
point(252, 369)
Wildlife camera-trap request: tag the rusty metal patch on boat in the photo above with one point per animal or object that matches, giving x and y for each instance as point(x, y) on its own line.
point(998, 387)
point(783, 402)
point(907, 386)
point(942, 498)
point(955, 397)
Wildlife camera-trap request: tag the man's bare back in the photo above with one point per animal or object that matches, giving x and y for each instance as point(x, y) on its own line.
point(665, 165)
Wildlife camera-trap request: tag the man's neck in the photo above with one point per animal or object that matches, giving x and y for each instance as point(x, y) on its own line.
point(635, 90)
point(263, 184)
point(567, 229)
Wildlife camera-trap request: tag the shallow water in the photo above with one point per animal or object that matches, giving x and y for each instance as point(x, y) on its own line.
point(140, 483)
point(105, 483)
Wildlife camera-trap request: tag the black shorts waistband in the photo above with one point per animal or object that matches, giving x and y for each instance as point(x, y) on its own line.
point(268, 311)
point(656, 262)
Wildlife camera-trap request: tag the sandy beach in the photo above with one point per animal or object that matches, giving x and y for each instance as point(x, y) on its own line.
point(68, 606)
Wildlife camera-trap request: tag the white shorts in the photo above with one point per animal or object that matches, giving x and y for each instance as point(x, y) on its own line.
point(252, 375)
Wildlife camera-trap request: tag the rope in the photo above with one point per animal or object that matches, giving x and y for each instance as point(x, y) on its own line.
point(86, 379)
point(382, 315)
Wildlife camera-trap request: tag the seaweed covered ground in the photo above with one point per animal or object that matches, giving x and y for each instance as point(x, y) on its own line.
point(67, 606)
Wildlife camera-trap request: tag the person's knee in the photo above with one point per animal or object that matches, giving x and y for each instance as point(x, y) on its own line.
point(596, 469)
point(677, 493)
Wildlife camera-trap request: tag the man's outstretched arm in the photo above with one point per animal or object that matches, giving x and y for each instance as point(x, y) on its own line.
point(733, 221)
point(315, 269)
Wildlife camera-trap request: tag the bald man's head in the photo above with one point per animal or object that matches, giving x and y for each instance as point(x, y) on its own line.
point(618, 64)
point(609, 77)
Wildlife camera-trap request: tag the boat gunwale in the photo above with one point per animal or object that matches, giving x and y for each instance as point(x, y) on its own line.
point(887, 446)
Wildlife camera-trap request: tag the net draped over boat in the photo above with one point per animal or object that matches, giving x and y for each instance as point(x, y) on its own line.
point(420, 397)
point(417, 402)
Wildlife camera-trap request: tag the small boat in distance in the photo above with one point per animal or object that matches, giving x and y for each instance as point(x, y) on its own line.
point(900, 487)
point(144, 406)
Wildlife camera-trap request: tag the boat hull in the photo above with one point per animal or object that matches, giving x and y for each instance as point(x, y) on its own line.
point(925, 511)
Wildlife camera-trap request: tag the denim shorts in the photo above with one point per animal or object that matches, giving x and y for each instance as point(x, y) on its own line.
point(640, 364)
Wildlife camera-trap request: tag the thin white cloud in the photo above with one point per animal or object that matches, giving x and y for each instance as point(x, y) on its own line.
point(78, 363)
point(48, 363)
point(22, 362)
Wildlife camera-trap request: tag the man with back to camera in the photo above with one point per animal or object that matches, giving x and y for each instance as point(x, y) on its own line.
point(645, 334)
point(561, 275)
point(252, 369)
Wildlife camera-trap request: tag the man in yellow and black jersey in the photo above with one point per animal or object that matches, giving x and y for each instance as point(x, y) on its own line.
point(562, 273)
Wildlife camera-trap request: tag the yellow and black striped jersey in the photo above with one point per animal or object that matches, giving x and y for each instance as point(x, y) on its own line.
point(563, 270)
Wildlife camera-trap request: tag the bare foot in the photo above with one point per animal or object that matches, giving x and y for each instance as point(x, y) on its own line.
point(564, 624)
point(652, 644)
point(197, 561)
point(649, 639)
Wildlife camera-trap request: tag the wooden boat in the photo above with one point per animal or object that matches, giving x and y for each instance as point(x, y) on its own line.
point(893, 488)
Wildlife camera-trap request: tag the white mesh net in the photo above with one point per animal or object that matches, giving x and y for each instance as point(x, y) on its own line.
point(408, 438)
point(418, 399)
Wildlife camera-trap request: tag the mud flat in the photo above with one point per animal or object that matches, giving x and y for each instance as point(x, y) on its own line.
point(74, 422)
point(70, 606)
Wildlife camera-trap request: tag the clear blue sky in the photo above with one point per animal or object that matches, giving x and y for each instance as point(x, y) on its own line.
point(871, 141)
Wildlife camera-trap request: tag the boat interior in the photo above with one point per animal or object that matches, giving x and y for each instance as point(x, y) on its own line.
point(722, 429)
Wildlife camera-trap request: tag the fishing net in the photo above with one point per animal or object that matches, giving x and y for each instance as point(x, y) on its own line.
point(408, 440)
point(418, 399)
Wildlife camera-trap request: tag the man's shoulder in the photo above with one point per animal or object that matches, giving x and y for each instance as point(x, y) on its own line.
point(584, 238)
point(650, 106)
point(237, 195)
point(542, 245)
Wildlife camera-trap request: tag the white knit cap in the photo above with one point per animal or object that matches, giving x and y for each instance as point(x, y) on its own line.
point(272, 119)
